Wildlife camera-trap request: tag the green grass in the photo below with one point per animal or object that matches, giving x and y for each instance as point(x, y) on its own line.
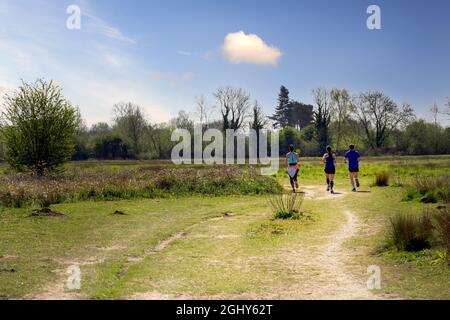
point(243, 251)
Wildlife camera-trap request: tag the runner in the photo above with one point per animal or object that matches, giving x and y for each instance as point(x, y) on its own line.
point(353, 157)
point(292, 164)
point(329, 159)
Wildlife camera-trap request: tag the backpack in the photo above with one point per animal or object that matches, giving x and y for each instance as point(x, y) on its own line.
point(292, 158)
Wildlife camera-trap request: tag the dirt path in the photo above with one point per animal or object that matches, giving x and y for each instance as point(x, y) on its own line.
point(322, 271)
point(335, 271)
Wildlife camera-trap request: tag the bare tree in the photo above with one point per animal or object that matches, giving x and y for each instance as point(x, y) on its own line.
point(380, 115)
point(130, 122)
point(258, 123)
point(322, 116)
point(341, 102)
point(234, 105)
point(435, 112)
point(203, 112)
point(447, 105)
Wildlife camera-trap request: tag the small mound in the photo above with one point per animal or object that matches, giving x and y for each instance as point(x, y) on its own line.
point(118, 212)
point(46, 212)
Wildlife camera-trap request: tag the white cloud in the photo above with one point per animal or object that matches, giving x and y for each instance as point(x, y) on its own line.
point(249, 48)
point(207, 55)
point(184, 53)
point(97, 25)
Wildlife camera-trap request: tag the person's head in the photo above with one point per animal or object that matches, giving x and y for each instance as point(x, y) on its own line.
point(329, 149)
point(291, 148)
point(351, 147)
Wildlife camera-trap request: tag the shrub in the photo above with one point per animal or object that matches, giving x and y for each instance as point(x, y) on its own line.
point(443, 227)
point(286, 206)
point(381, 179)
point(411, 232)
point(40, 125)
point(431, 189)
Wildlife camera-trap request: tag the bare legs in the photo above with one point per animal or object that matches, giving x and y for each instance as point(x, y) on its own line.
point(354, 178)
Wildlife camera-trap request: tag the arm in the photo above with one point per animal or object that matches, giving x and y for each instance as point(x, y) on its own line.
point(286, 160)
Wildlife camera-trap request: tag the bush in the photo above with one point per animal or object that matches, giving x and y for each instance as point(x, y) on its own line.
point(39, 127)
point(286, 206)
point(443, 227)
point(430, 189)
point(410, 232)
point(381, 179)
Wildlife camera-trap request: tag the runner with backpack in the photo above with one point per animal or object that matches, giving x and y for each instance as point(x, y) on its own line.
point(293, 167)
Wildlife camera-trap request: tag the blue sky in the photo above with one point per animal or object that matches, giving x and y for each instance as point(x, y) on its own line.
point(164, 54)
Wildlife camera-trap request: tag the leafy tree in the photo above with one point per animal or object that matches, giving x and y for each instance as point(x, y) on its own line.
point(39, 126)
point(380, 115)
point(81, 149)
point(300, 115)
point(183, 121)
point(341, 102)
point(110, 147)
point(281, 116)
point(99, 129)
point(130, 124)
point(288, 136)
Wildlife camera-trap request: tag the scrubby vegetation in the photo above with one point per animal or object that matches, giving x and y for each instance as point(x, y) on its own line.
point(23, 190)
point(443, 228)
point(287, 206)
point(382, 179)
point(429, 189)
point(410, 232)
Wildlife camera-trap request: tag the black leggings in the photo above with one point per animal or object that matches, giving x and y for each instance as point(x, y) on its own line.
point(293, 179)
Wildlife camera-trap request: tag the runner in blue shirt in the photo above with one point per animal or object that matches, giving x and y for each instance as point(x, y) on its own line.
point(352, 157)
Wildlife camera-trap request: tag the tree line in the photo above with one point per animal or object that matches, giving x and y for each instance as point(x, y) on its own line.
point(40, 128)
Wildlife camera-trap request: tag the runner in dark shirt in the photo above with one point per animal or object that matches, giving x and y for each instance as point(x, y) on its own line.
point(330, 168)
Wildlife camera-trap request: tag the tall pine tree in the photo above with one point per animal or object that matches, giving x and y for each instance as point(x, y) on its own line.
point(281, 116)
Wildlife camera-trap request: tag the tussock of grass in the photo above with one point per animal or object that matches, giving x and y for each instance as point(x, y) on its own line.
point(382, 179)
point(411, 232)
point(286, 206)
point(429, 189)
point(443, 227)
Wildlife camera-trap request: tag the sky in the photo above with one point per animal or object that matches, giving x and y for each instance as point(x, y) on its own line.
point(164, 54)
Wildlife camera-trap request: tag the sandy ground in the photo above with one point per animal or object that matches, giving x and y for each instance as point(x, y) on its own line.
point(325, 271)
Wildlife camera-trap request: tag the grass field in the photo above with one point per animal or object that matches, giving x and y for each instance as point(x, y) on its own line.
point(202, 243)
